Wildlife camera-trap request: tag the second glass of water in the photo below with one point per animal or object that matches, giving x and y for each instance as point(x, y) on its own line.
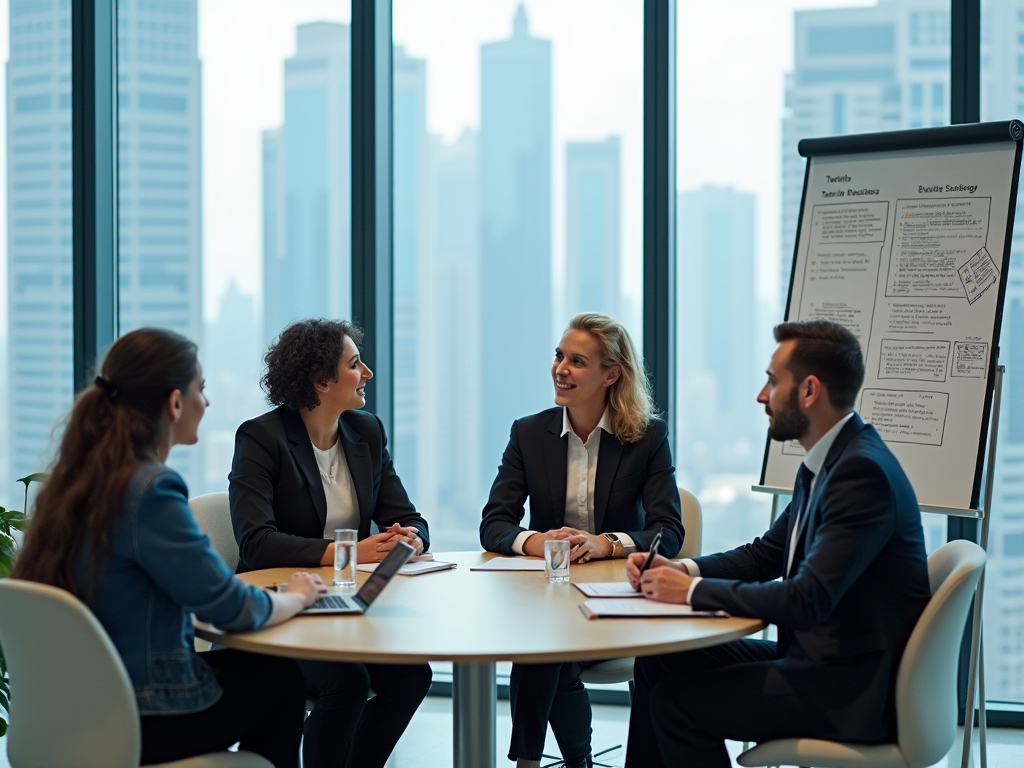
point(345, 557)
point(556, 560)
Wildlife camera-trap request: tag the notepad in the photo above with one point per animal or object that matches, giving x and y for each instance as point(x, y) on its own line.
point(625, 608)
point(510, 564)
point(619, 589)
point(412, 569)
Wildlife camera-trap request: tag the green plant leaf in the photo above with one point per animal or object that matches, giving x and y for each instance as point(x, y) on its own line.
point(3, 727)
point(35, 477)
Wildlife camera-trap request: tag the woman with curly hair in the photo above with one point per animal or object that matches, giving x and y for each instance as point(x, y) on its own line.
point(313, 464)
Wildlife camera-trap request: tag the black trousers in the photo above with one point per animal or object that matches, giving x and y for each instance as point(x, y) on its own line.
point(344, 730)
point(685, 705)
point(543, 693)
point(262, 707)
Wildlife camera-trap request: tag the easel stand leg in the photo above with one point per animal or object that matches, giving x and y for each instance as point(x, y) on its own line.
point(976, 685)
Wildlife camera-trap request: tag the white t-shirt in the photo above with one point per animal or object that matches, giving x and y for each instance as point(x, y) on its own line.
point(342, 503)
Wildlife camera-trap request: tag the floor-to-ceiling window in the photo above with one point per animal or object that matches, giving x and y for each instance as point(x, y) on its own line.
point(792, 69)
point(235, 193)
point(35, 218)
point(517, 204)
point(1002, 97)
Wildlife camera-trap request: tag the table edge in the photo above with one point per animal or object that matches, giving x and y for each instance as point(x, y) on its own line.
point(245, 642)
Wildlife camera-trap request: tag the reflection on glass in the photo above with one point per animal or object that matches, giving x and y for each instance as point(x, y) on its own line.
point(35, 340)
point(517, 140)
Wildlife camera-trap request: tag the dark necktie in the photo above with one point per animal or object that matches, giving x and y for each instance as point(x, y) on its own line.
point(801, 498)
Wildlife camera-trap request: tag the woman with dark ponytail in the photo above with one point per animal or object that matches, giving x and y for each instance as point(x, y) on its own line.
point(112, 526)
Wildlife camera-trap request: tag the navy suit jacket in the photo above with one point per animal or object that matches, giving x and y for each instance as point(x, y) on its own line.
point(634, 492)
point(858, 582)
point(278, 505)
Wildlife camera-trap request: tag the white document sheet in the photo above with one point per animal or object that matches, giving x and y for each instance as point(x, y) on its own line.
point(619, 589)
point(641, 609)
point(510, 564)
point(411, 569)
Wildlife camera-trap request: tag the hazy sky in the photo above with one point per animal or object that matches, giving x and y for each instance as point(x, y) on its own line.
point(732, 60)
point(733, 57)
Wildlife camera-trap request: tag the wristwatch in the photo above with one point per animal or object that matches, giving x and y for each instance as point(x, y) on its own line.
point(616, 544)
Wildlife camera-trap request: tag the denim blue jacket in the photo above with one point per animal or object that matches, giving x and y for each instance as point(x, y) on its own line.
point(161, 570)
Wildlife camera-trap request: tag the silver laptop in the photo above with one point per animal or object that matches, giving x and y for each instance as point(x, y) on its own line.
point(361, 601)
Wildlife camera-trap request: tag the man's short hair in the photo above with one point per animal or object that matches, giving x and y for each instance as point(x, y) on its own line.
point(830, 352)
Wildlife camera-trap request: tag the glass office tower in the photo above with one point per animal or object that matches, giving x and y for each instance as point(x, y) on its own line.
point(515, 222)
point(39, 229)
point(593, 212)
point(307, 217)
point(160, 191)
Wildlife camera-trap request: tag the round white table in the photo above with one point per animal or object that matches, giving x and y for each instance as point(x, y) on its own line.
point(474, 619)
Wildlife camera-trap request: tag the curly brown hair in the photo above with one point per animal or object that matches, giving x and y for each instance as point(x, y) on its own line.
point(306, 353)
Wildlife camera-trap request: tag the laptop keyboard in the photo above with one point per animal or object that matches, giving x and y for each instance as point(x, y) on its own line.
point(331, 601)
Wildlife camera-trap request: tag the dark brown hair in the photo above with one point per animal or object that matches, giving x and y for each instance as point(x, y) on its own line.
point(113, 428)
point(306, 353)
point(829, 351)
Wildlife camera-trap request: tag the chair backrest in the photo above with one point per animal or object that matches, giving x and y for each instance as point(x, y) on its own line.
point(72, 703)
point(926, 695)
point(213, 513)
point(693, 520)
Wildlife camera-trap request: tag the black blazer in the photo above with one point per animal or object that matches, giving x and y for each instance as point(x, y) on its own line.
point(858, 582)
point(278, 505)
point(634, 492)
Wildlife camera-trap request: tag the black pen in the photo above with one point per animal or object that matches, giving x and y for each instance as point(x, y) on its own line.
point(650, 558)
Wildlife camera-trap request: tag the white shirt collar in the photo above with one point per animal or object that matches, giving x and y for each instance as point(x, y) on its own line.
point(815, 458)
point(605, 423)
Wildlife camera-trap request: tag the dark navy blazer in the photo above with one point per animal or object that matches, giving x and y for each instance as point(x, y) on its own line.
point(278, 504)
point(858, 582)
point(634, 492)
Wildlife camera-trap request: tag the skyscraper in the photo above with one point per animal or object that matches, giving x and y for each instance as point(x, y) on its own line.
point(716, 230)
point(515, 221)
point(307, 188)
point(860, 70)
point(160, 178)
point(160, 200)
point(410, 231)
point(38, 229)
point(593, 210)
point(453, 490)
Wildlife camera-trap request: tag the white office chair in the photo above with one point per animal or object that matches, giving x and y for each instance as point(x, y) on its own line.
point(72, 702)
point(926, 701)
point(213, 513)
point(621, 670)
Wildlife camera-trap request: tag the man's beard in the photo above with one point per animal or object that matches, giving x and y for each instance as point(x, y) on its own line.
point(789, 423)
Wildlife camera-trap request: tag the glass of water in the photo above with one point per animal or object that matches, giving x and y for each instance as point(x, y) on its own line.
point(345, 557)
point(556, 560)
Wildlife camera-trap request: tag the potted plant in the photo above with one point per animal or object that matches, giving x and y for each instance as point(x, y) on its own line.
point(11, 520)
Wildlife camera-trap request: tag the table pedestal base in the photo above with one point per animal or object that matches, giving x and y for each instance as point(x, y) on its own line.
point(474, 710)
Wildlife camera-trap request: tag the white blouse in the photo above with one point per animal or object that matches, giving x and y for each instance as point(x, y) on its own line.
point(342, 503)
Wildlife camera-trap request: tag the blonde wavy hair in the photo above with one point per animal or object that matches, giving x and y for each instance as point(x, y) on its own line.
point(630, 396)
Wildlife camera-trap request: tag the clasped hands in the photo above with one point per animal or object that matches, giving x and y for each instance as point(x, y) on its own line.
point(375, 548)
point(664, 581)
point(583, 546)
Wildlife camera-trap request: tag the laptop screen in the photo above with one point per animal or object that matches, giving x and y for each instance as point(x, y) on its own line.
point(382, 574)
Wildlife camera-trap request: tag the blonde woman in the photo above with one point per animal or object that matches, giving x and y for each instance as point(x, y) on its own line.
point(598, 471)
